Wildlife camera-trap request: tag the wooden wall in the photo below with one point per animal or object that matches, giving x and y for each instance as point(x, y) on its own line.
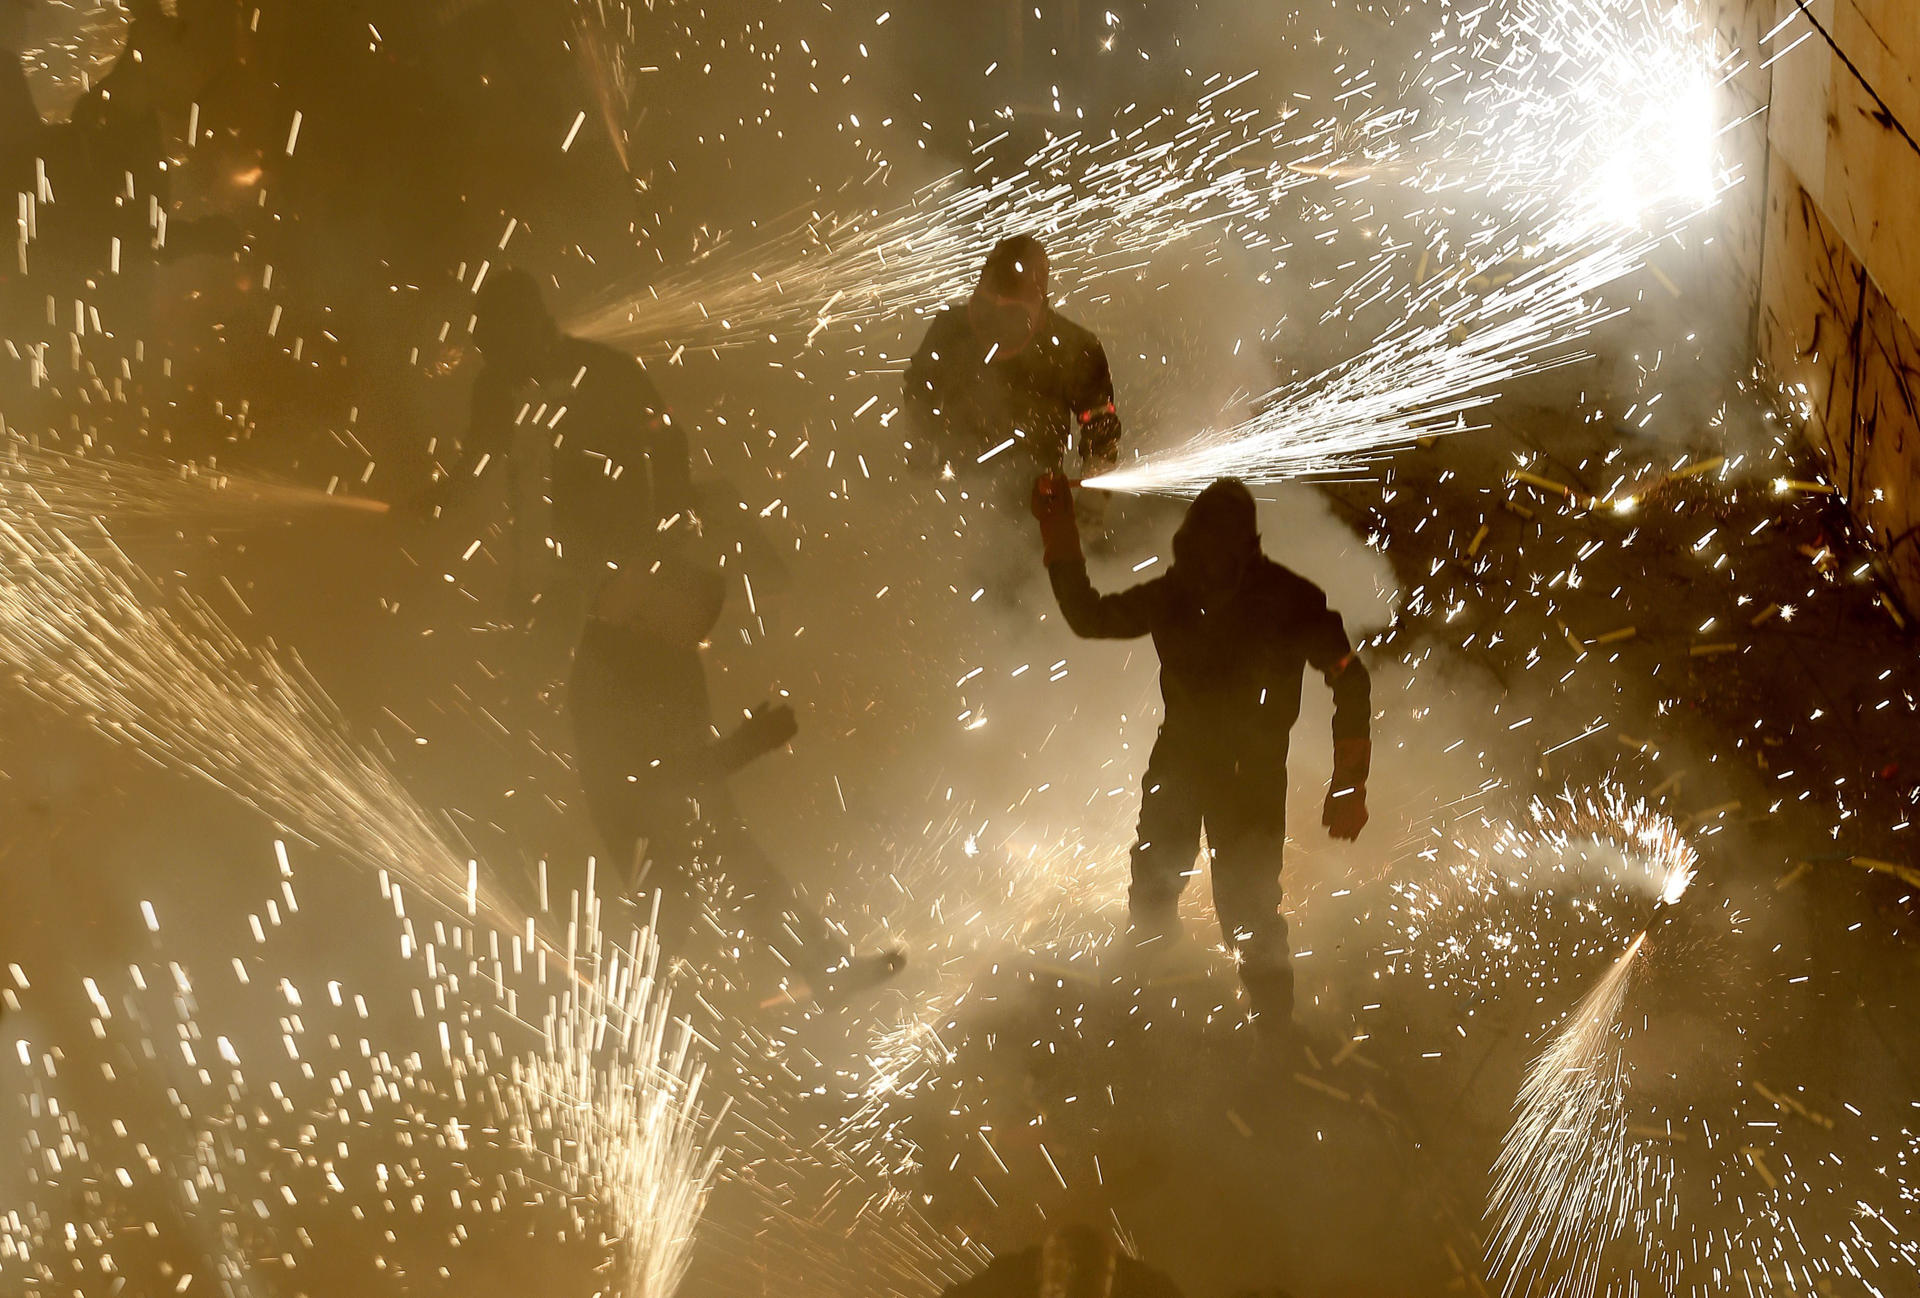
point(1839, 299)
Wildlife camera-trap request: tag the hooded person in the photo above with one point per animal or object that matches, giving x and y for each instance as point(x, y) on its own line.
point(614, 464)
point(1003, 384)
point(654, 769)
point(1235, 632)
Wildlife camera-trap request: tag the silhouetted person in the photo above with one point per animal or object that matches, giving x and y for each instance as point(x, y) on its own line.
point(655, 770)
point(110, 219)
point(1073, 1262)
point(19, 134)
point(1235, 632)
point(616, 462)
point(1003, 367)
point(106, 166)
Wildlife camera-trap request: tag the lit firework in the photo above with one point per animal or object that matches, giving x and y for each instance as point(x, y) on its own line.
point(1568, 1179)
point(78, 493)
point(613, 1103)
point(1418, 380)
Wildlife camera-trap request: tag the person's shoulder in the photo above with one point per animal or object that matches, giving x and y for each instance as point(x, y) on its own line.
point(1155, 592)
point(947, 320)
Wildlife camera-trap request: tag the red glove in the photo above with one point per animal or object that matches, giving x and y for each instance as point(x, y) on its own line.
point(1345, 814)
point(1052, 504)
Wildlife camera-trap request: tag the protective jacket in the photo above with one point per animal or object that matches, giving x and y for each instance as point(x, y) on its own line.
point(1230, 678)
point(1054, 395)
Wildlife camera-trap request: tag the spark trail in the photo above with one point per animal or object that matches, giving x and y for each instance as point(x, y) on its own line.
point(1569, 1177)
point(90, 635)
point(1102, 206)
point(1420, 379)
point(79, 493)
point(604, 32)
point(1588, 137)
point(613, 1102)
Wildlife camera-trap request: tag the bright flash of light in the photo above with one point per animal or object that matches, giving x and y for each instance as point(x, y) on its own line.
point(1614, 104)
point(1568, 1177)
point(1594, 137)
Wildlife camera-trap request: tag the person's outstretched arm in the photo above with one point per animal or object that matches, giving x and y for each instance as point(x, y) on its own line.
point(489, 438)
point(1119, 616)
point(769, 726)
point(1329, 650)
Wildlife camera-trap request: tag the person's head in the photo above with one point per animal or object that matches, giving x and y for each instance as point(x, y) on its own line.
point(1078, 1262)
point(674, 599)
point(1217, 541)
point(1011, 297)
point(512, 326)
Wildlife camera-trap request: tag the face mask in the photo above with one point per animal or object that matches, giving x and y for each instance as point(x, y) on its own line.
point(1210, 570)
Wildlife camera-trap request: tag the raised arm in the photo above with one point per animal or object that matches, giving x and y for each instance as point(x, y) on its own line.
point(488, 440)
point(1119, 616)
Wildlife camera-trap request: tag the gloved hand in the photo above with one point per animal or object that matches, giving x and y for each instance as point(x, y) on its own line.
point(769, 726)
point(1345, 814)
point(1052, 504)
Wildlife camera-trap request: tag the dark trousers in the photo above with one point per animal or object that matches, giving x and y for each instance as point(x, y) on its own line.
point(1241, 802)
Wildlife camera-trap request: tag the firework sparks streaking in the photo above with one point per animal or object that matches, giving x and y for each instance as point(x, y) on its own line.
point(1419, 380)
point(1568, 1177)
point(74, 493)
point(1594, 139)
point(92, 636)
point(613, 1101)
point(1102, 206)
